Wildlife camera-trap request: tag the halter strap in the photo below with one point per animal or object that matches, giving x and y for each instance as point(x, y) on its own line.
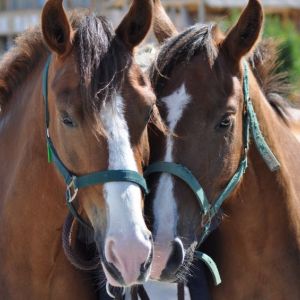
point(96, 177)
point(260, 142)
point(185, 175)
point(210, 211)
point(73, 182)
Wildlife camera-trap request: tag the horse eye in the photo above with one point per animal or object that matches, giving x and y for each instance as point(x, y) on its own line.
point(225, 123)
point(68, 121)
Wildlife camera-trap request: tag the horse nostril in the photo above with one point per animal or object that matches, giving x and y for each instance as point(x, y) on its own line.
point(175, 260)
point(129, 258)
point(110, 253)
point(177, 254)
point(145, 267)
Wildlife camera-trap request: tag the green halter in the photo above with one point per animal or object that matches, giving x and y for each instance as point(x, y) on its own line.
point(73, 182)
point(209, 211)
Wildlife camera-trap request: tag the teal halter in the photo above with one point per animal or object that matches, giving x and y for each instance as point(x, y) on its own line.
point(73, 182)
point(209, 211)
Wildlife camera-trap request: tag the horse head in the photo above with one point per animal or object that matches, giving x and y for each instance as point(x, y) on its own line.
point(99, 103)
point(198, 77)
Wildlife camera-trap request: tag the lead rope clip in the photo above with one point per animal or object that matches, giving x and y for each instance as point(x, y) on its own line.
point(72, 190)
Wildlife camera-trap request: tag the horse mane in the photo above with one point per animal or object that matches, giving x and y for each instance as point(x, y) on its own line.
point(101, 57)
point(264, 62)
point(274, 83)
point(19, 61)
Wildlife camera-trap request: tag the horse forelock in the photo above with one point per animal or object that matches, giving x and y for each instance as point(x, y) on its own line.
point(102, 60)
point(181, 49)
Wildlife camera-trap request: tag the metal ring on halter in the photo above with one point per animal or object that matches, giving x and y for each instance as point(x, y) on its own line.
point(72, 190)
point(206, 219)
point(109, 292)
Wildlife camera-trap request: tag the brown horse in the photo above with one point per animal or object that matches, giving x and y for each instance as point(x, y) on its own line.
point(200, 80)
point(98, 109)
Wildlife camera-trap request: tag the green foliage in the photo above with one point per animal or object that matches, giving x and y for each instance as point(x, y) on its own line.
point(289, 38)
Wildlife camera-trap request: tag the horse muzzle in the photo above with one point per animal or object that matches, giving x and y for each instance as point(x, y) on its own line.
point(127, 261)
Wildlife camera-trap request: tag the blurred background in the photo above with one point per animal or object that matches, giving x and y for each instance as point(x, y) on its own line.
point(282, 21)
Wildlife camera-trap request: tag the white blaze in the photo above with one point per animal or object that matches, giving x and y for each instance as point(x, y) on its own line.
point(164, 205)
point(127, 245)
point(123, 199)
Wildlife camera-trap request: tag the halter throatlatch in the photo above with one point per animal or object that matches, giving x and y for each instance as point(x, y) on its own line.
point(73, 182)
point(210, 210)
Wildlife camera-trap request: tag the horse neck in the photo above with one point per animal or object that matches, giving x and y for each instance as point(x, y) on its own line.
point(259, 240)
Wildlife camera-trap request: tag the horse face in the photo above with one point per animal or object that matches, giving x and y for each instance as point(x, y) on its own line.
point(202, 104)
point(204, 116)
point(100, 103)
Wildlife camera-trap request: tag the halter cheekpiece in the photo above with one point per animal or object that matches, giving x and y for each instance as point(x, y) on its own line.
point(74, 182)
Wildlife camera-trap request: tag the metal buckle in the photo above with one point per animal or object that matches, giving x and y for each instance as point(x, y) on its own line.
point(206, 219)
point(72, 190)
point(110, 293)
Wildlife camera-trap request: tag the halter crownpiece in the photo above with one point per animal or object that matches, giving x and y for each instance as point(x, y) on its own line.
point(73, 182)
point(210, 211)
point(260, 142)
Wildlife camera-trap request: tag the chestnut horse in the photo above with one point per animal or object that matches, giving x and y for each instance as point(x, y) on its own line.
point(225, 134)
point(92, 112)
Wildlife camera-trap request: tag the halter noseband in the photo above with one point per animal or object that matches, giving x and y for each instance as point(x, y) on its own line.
point(210, 211)
point(73, 182)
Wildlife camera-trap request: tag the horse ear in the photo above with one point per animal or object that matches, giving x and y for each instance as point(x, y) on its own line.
point(136, 24)
point(244, 35)
point(56, 27)
point(163, 27)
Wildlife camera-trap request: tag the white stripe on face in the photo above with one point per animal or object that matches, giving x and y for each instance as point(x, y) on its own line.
point(164, 205)
point(123, 199)
point(126, 226)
